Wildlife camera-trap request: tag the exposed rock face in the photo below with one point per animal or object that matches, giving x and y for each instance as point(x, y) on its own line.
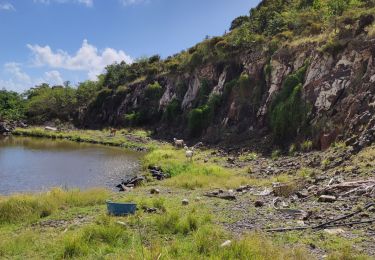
point(339, 87)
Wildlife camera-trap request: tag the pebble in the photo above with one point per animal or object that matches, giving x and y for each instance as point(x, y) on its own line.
point(259, 204)
point(226, 243)
point(334, 231)
point(327, 198)
point(185, 202)
point(154, 191)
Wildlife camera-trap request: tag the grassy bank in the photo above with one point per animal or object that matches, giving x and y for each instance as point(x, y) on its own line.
point(73, 224)
point(176, 231)
point(130, 139)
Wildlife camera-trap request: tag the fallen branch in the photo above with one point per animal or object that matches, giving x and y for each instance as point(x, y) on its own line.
point(330, 223)
point(345, 216)
point(221, 196)
point(328, 226)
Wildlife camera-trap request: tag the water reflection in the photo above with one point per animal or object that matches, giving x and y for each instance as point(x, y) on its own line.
point(34, 164)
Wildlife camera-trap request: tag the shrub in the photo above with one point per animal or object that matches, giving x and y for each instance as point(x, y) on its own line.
point(292, 149)
point(154, 91)
point(172, 111)
point(12, 106)
point(132, 118)
point(275, 154)
point(306, 146)
point(289, 111)
point(198, 119)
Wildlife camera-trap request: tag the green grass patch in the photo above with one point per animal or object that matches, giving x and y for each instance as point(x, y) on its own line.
point(28, 208)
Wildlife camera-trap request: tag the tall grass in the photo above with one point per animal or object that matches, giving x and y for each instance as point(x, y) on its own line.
point(24, 207)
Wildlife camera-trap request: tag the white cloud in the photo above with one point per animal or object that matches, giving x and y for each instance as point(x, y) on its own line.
point(87, 58)
point(132, 2)
point(53, 77)
point(14, 69)
point(88, 3)
point(7, 7)
point(20, 81)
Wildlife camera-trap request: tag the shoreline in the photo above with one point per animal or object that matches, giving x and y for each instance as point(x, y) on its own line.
point(177, 219)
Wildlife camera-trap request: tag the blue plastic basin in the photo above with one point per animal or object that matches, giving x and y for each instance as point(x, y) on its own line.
point(120, 209)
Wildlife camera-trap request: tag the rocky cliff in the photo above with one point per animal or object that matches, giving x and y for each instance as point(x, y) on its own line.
point(331, 83)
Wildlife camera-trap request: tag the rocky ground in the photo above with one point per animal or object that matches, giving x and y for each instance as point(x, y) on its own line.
point(325, 186)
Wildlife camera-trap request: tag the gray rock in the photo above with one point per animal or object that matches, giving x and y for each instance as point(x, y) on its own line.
point(185, 202)
point(154, 191)
point(327, 198)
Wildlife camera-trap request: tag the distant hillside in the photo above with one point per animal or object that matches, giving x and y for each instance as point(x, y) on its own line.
point(290, 71)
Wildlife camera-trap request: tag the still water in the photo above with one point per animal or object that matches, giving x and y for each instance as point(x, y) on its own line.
point(34, 164)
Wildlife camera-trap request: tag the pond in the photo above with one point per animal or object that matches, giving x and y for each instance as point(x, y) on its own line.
point(35, 164)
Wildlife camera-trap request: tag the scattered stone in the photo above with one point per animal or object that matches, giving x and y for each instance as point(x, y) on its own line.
point(259, 204)
point(157, 173)
point(221, 195)
point(154, 191)
point(198, 199)
point(185, 202)
point(231, 160)
point(243, 188)
point(151, 210)
point(230, 191)
point(50, 128)
point(265, 192)
point(334, 231)
point(133, 182)
point(226, 243)
point(327, 198)
point(302, 194)
point(121, 223)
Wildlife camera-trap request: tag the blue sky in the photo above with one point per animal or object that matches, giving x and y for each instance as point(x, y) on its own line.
point(57, 40)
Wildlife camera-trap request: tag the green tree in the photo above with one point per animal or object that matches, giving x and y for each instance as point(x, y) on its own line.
point(12, 105)
point(48, 103)
point(239, 21)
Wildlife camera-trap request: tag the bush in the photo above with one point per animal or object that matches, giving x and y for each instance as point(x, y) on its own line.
point(172, 111)
point(154, 91)
point(306, 146)
point(12, 106)
point(47, 103)
point(132, 118)
point(275, 154)
point(199, 118)
point(289, 111)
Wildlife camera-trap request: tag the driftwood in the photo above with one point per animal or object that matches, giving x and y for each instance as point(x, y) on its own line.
point(221, 196)
point(347, 188)
point(328, 226)
point(331, 223)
